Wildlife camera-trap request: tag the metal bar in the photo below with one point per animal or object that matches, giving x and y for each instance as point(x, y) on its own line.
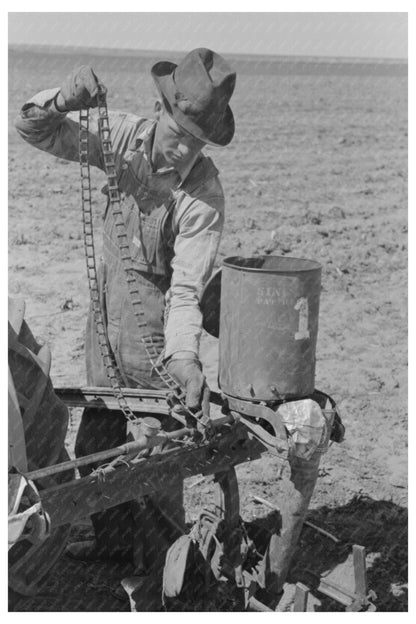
point(360, 571)
point(228, 499)
point(76, 499)
point(150, 401)
point(128, 448)
point(301, 598)
point(256, 410)
point(266, 438)
point(106, 391)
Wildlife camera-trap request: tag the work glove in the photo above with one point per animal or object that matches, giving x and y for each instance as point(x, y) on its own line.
point(188, 373)
point(80, 89)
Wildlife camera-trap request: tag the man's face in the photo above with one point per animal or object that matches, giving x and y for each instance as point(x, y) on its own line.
point(173, 146)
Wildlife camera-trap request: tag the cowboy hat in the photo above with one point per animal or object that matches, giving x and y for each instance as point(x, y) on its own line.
point(196, 93)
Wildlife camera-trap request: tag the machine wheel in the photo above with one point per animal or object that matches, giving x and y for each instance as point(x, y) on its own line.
point(38, 423)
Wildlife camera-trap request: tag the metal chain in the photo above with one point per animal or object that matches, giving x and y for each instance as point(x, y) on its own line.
point(87, 219)
point(123, 244)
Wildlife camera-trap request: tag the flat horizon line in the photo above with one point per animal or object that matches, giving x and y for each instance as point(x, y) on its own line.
point(139, 52)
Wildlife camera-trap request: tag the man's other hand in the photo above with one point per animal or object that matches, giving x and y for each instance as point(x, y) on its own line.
point(188, 373)
point(79, 90)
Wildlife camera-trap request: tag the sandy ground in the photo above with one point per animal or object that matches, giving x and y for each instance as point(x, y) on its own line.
point(318, 169)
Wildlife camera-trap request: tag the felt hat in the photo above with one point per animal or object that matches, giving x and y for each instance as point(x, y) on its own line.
point(196, 93)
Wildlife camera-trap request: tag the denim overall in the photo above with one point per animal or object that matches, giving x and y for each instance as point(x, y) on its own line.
point(137, 529)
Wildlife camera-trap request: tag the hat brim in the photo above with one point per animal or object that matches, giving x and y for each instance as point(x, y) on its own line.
point(218, 136)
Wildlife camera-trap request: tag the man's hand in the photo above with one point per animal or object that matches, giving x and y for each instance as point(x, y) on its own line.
point(79, 90)
point(188, 373)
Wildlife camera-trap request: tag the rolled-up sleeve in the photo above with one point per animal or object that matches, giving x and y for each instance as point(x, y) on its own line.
point(196, 244)
point(41, 125)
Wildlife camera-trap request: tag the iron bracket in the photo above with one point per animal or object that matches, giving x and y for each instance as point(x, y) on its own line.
point(358, 599)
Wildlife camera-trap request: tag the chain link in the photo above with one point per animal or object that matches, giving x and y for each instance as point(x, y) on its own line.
point(151, 348)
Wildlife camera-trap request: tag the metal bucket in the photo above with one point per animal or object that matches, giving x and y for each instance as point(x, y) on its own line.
point(268, 327)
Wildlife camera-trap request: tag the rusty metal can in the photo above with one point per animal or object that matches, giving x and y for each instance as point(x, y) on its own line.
point(268, 327)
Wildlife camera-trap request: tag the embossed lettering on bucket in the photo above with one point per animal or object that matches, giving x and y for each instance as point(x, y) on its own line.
point(269, 327)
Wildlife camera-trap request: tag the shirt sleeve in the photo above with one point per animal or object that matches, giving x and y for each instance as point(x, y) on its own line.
point(43, 126)
point(196, 244)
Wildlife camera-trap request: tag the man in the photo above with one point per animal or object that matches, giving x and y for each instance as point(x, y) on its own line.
point(173, 207)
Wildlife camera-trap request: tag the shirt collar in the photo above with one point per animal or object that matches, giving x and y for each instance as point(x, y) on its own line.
point(146, 137)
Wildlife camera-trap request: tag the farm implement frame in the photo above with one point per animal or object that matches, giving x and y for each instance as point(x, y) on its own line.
point(241, 432)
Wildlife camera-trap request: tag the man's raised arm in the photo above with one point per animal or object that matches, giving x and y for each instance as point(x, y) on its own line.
point(49, 120)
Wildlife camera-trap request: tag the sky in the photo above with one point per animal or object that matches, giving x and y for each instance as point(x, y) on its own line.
point(346, 34)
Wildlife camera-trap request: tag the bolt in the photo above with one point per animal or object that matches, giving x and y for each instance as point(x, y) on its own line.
point(150, 426)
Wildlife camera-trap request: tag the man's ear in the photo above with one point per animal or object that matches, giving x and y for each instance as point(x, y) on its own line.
point(158, 109)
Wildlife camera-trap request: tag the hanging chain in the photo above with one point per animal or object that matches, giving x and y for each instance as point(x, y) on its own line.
point(123, 244)
point(87, 219)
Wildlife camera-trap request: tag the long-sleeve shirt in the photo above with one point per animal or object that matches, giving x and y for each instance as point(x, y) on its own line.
point(197, 217)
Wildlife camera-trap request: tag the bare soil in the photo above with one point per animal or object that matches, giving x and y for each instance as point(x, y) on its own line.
point(317, 169)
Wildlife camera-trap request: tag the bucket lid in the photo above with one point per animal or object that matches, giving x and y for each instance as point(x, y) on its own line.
point(282, 265)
